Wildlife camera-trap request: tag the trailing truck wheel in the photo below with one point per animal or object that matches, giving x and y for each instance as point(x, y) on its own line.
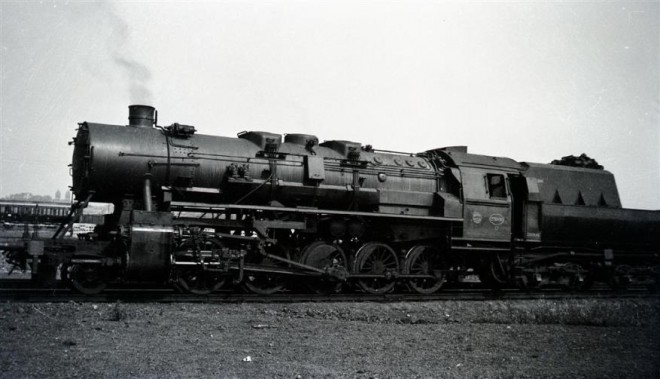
point(424, 260)
point(494, 272)
point(85, 278)
point(378, 259)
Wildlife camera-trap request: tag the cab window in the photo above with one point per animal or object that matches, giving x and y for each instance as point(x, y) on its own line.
point(496, 186)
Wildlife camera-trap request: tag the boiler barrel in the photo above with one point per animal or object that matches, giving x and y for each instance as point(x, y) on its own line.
point(113, 161)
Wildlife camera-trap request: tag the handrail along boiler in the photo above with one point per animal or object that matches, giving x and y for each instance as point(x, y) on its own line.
point(201, 211)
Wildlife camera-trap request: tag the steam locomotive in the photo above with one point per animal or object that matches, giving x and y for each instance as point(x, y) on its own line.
point(264, 211)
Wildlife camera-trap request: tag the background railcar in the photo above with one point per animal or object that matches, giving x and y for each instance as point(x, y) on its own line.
point(12, 211)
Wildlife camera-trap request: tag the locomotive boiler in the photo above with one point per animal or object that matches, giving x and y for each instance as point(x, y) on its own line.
point(262, 209)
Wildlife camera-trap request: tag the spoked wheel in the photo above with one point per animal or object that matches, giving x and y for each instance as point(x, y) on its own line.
point(424, 260)
point(375, 258)
point(495, 273)
point(46, 276)
point(327, 257)
point(86, 278)
point(588, 281)
point(620, 278)
point(653, 283)
point(199, 279)
point(581, 280)
point(264, 283)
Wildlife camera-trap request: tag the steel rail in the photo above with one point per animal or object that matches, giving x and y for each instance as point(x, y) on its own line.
point(163, 295)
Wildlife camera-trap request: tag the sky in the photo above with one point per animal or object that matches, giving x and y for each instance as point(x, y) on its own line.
point(533, 82)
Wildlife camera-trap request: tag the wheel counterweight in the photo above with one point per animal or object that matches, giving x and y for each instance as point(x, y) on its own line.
point(325, 256)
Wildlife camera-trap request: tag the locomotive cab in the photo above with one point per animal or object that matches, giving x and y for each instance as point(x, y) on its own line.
point(487, 195)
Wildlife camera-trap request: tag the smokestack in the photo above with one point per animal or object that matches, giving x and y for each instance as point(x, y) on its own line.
point(141, 116)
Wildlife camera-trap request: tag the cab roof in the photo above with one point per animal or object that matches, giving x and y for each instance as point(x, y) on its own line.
point(459, 159)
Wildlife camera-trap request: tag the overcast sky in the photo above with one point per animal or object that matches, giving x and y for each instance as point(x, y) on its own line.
point(533, 82)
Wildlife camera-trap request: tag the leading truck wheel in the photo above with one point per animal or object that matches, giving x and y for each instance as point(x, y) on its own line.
point(86, 278)
point(46, 277)
point(198, 281)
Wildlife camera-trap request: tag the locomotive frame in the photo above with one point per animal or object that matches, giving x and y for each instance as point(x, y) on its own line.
point(200, 211)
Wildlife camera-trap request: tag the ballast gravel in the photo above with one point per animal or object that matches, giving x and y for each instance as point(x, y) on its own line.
point(475, 339)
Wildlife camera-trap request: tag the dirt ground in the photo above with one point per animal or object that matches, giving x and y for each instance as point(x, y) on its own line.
point(493, 339)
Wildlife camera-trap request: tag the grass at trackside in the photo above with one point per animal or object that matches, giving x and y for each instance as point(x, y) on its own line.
point(584, 312)
point(589, 312)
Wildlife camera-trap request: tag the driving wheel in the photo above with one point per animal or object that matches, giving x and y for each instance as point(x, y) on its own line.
point(424, 260)
point(328, 257)
point(378, 259)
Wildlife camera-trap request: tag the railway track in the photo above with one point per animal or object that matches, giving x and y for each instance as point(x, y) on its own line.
point(21, 292)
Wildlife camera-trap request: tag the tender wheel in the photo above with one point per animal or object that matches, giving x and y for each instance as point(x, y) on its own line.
point(86, 278)
point(620, 278)
point(199, 279)
point(584, 279)
point(424, 260)
point(588, 282)
point(376, 258)
point(326, 257)
point(654, 282)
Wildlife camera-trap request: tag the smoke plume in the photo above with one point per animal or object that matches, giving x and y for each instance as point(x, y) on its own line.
point(138, 80)
point(137, 75)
